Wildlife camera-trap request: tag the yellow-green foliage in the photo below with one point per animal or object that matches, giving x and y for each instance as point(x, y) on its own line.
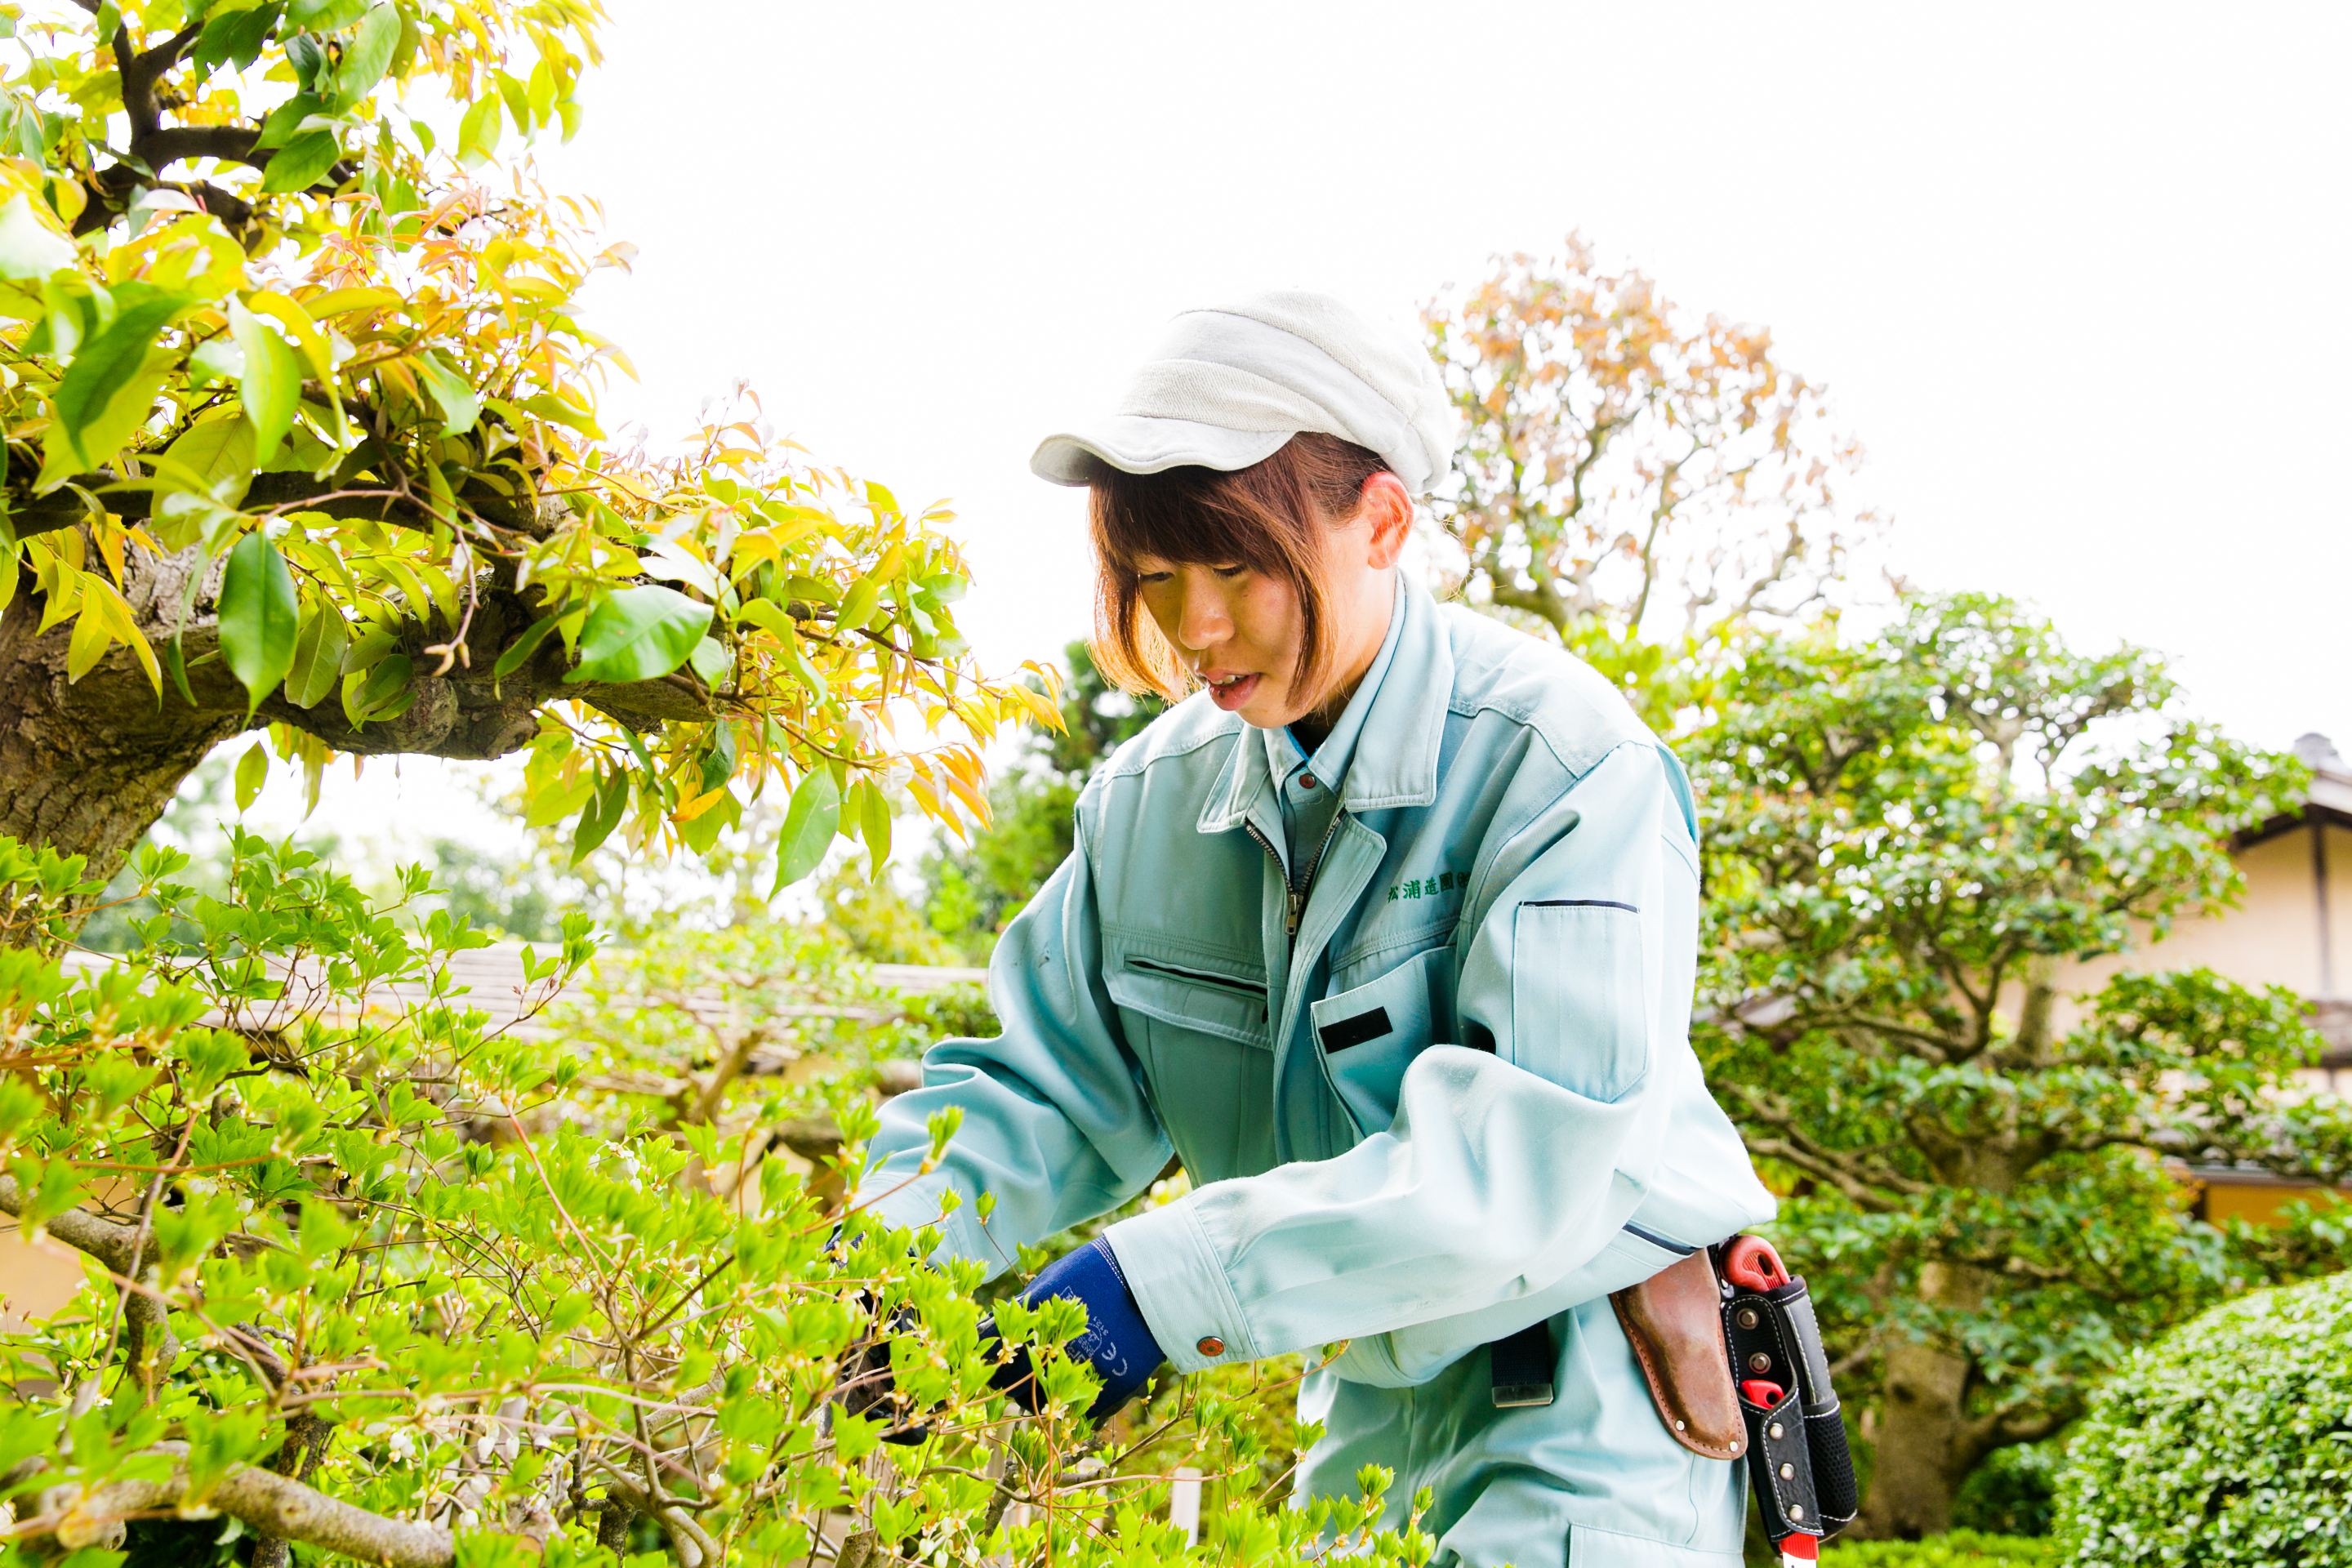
point(252, 307)
point(513, 1287)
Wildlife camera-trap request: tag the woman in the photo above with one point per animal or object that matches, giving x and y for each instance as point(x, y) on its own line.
point(1388, 932)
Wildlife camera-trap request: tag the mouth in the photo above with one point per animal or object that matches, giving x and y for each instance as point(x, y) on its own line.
point(1231, 692)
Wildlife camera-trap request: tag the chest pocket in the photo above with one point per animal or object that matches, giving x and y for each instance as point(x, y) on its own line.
point(1371, 1034)
point(1208, 1059)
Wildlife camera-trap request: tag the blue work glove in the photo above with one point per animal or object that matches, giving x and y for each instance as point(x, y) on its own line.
point(1117, 1344)
point(867, 1386)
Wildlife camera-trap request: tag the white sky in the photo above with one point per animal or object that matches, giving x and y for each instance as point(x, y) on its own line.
point(2074, 274)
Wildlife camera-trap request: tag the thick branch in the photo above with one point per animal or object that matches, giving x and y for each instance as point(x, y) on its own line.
point(63, 508)
point(119, 1247)
point(1787, 1153)
point(1856, 1177)
point(229, 143)
point(2023, 1422)
point(139, 74)
point(110, 1243)
point(272, 1504)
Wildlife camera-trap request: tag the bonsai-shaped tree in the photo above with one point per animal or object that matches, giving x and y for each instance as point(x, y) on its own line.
point(301, 434)
point(1909, 843)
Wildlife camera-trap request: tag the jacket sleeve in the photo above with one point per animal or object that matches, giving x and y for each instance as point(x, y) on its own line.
point(1515, 1156)
point(1055, 1123)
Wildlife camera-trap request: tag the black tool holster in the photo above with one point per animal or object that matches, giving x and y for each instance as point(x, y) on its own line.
point(1797, 1455)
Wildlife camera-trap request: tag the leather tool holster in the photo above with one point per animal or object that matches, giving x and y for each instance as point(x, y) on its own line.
point(1675, 1322)
point(1692, 1329)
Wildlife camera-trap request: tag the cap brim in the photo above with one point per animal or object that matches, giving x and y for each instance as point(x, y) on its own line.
point(1140, 444)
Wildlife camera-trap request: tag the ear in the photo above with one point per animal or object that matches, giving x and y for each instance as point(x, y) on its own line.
point(1389, 509)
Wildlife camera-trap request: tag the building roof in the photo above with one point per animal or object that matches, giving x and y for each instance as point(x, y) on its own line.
point(2329, 801)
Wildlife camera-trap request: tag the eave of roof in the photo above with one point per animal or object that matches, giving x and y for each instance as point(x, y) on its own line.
point(2330, 802)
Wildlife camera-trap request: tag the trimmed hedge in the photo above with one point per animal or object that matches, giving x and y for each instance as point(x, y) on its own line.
point(1959, 1549)
point(2228, 1442)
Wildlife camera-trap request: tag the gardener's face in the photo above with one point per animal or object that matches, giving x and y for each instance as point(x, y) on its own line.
point(1240, 631)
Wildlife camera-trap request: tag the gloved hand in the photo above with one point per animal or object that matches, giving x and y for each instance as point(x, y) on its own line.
point(1117, 1343)
point(867, 1386)
point(868, 1389)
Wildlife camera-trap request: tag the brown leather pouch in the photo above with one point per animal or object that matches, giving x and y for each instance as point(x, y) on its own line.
point(1675, 1320)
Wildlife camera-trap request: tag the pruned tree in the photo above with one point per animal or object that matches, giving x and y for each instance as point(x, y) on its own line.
point(1910, 842)
point(301, 435)
point(1633, 479)
point(377, 1273)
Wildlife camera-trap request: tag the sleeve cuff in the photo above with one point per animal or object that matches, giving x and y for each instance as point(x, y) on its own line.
point(1180, 1289)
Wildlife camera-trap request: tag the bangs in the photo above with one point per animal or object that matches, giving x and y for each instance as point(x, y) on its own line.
point(1188, 516)
point(1268, 517)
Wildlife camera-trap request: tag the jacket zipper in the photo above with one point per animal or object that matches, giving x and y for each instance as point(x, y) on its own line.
point(1266, 844)
point(1298, 892)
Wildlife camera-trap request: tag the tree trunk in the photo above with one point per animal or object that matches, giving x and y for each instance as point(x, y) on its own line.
point(1920, 1439)
point(1924, 1439)
point(90, 764)
point(87, 766)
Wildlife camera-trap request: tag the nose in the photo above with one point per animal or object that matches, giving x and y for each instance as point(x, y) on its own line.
point(1202, 620)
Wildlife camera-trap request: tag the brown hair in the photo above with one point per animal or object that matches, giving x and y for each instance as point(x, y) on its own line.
point(1265, 516)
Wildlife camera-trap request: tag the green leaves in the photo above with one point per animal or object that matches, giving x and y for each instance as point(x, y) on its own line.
point(606, 809)
point(302, 163)
point(252, 773)
point(368, 55)
point(857, 606)
point(234, 37)
point(220, 452)
point(459, 407)
point(88, 421)
point(318, 657)
point(810, 822)
point(272, 382)
point(1919, 850)
point(381, 690)
point(29, 247)
point(2254, 1392)
point(331, 1188)
point(638, 634)
point(259, 619)
point(477, 133)
point(874, 811)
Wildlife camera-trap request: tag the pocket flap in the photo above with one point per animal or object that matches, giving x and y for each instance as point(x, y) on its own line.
point(1412, 1002)
point(1192, 996)
point(1371, 1034)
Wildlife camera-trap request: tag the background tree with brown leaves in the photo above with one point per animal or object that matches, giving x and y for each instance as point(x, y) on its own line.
point(1634, 479)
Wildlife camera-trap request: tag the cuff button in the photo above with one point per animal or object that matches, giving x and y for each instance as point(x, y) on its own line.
point(1212, 1346)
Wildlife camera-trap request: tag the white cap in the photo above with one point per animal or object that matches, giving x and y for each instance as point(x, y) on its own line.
point(1232, 383)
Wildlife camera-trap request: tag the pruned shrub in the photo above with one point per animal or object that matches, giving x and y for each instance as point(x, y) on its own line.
point(1956, 1549)
point(2227, 1442)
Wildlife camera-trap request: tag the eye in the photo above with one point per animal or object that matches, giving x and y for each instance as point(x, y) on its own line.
point(1153, 576)
point(1230, 571)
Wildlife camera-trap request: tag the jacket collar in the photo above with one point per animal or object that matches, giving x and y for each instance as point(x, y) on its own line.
point(1395, 760)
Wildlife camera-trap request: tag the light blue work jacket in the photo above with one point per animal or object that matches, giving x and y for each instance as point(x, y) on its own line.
point(1446, 1093)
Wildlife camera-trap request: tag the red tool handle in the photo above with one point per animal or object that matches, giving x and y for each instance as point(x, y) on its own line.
point(1750, 1263)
